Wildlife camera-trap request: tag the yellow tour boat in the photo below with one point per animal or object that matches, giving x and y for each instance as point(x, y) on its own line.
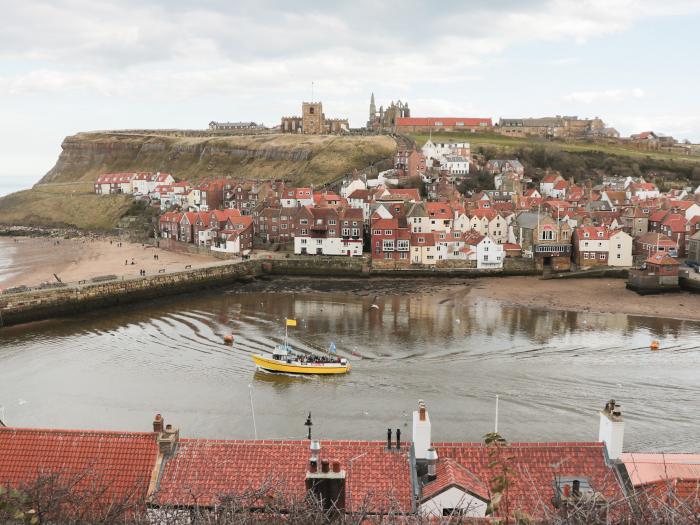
point(283, 360)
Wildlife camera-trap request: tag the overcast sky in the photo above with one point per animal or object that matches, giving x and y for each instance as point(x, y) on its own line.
point(73, 65)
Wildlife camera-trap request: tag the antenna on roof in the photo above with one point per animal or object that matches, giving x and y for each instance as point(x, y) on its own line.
point(252, 410)
point(495, 426)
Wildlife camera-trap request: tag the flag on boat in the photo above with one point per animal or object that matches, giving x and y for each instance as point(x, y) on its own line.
point(291, 322)
point(332, 349)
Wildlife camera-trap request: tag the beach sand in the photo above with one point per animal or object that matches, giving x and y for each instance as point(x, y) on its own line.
point(33, 260)
point(586, 295)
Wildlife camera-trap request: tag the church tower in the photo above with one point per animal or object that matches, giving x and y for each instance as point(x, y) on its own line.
point(372, 109)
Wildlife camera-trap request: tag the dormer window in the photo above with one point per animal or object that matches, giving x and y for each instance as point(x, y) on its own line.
point(586, 235)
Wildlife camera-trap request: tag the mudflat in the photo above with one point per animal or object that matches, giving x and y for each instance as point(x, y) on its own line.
point(586, 295)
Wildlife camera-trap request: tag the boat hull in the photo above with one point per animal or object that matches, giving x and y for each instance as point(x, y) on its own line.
point(274, 365)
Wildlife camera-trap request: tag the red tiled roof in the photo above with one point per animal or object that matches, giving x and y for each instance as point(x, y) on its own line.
point(438, 210)
point(658, 215)
point(446, 121)
point(359, 194)
point(536, 467)
point(449, 473)
point(385, 223)
point(202, 471)
point(422, 239)
point(407, 193)
point(118, 463)
point(593, 233)
point(662, 259)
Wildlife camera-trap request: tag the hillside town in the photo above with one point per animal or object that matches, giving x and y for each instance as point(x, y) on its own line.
point(418, 215)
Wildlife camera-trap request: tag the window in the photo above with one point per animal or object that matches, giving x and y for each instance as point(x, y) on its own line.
point(486, 257)
point(331, 222)
point(388, 232)
point(283, 226)
point(346, 232)
point(376, 232)
point(319, 241)
point(303, 221)
point(304, 231)
point(388, 255)
point(354, 223)
point(585, 255)
point(402, 245)
point(403, 255)
point(618, 255)
point(303, 241)
point(547, 235)
point(355, 232)
point(388, 245)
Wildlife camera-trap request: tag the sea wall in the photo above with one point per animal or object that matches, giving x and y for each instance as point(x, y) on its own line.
point(37, 305)
point(44, 304)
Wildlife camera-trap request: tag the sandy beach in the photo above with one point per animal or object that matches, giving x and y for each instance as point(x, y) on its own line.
point(586, 295)
point(31, 261)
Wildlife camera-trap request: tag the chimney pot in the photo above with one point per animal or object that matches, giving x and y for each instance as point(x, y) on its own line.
point(398, 439)
point(158, 423)
point(388, 438)
point(336, 466)
point(325, 466)
point(576, 488)
point(567, 490)
point(432, 458)
point(313, 466)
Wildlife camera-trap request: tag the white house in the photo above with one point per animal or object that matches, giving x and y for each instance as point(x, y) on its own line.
point(310, 245)
point(145, 183)
point(620, 249)
point(489, 254)
point(455, 165)
point(436, 151)
point(350, 187)
point(297, 197)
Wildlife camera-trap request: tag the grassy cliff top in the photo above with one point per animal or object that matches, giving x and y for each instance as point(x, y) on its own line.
point(300, 159)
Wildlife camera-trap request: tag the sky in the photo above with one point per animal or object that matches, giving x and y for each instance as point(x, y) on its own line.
point(79, 65)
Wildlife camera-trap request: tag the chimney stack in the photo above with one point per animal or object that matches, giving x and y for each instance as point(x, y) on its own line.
point(421, 431)
point(167, 437)
point(158, 423)
point(612, 429)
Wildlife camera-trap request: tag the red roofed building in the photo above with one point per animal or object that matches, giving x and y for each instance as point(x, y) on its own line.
point(427, 124)
point(110, 183)
point(676, 228)
point(591, 246)
point(390, 241)
point(101, 470)
point(202, 472)
point(329, 231)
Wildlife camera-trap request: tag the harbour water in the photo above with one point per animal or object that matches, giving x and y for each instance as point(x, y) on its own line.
point(115, 368)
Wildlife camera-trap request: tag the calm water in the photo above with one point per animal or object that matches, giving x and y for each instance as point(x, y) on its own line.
point(116, 368)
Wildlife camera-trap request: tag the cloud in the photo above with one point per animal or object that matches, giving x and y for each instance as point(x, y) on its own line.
point(607, 95)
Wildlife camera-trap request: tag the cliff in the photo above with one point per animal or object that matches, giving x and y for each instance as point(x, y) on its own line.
point(65, 195)
point(302, 159)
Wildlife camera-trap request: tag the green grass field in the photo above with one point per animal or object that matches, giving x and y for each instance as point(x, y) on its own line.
point(64, 205)
point(480, 139)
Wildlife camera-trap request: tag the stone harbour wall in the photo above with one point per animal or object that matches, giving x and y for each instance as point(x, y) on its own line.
point(45, 304)
point(37, 305)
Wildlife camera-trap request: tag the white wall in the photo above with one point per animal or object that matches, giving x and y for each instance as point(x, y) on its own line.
point(329, 246)
point(454, 498)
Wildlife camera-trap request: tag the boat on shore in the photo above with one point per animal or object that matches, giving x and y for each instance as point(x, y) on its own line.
point(285, 361)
